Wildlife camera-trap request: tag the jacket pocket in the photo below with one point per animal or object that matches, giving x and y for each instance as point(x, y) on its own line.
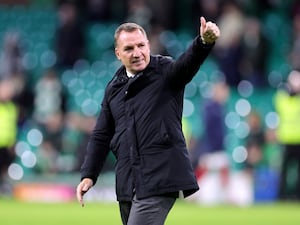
point(166, 170)
point(116, 142)
point(164, 137)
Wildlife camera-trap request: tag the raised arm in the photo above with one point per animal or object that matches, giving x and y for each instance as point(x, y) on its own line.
point(186, 66)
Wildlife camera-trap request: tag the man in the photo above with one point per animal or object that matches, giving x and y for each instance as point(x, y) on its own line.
point(8, 129)
point(140, 121)
point(286, 102)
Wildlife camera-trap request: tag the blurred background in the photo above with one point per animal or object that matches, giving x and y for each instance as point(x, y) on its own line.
point(241, 114)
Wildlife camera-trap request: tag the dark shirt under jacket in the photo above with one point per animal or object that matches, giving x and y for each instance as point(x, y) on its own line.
point(140, 121)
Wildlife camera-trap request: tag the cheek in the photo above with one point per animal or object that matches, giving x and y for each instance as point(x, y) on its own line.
point(122, 58)
point(121, 55)
point(148, 56)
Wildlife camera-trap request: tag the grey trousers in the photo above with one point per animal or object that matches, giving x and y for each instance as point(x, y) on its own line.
point(148, 211)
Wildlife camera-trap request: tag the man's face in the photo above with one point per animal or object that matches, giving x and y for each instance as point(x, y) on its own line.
point(133, 50)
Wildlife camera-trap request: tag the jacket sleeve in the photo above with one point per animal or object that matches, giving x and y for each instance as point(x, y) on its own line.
point(182, 70)
point(98, 145)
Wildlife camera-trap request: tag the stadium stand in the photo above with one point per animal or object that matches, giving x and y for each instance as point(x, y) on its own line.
point(84, 84)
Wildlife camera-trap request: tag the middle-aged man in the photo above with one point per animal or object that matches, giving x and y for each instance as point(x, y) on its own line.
point(140, 122)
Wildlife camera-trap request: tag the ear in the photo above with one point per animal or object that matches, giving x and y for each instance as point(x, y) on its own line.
point(117, 53)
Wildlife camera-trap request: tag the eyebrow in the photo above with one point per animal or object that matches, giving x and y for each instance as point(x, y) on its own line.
point(142, 43)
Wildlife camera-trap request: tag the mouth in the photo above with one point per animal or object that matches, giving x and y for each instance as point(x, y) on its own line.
point(136, 62)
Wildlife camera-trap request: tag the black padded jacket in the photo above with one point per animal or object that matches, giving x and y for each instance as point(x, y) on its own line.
point(140, 121)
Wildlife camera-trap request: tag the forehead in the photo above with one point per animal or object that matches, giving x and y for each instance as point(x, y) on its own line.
point(131, 38)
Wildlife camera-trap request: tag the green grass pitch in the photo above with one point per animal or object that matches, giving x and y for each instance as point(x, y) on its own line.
point(23, 213)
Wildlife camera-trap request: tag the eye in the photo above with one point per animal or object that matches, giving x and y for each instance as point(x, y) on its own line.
point(127, 49)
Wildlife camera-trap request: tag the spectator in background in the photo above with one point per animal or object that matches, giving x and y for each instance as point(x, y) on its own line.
point(228, 51)
point(48, 97)
point(11, 57)
point(48, 153)
point(69, 36)
point(8, 130)
point(255, 141)
point(11, 67)
point(272, 151)
point(255, 52)
point(212, 156)
point(48, 113)
point(295, 46)
point(213, 114)
point(287, 105)
point(139, 12)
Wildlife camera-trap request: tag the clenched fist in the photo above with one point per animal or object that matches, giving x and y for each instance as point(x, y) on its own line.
point(209, 31)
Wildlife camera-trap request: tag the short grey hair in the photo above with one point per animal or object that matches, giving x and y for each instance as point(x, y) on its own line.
point(128, 27)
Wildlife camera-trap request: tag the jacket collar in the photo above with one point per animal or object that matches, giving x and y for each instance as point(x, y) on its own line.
point(121, 76)
point(152, 64)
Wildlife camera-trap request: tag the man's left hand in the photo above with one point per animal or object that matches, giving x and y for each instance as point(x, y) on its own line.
point(209, 31)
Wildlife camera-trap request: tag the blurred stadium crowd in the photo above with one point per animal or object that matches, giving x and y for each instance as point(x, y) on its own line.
point(57, 56)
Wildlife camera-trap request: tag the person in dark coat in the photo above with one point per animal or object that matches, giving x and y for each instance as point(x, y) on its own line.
point(69, 40)
point(140, 122)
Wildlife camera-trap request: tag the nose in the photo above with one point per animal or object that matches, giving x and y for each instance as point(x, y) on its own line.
point(136, 52)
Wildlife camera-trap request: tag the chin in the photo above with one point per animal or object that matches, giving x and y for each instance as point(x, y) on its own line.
point(140, 68)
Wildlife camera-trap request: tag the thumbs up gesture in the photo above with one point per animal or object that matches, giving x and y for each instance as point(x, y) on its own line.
point(209, 31)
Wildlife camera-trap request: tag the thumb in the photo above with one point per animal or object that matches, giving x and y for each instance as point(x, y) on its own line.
point(86, 187)
point(82, 188)
point(203, 23)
